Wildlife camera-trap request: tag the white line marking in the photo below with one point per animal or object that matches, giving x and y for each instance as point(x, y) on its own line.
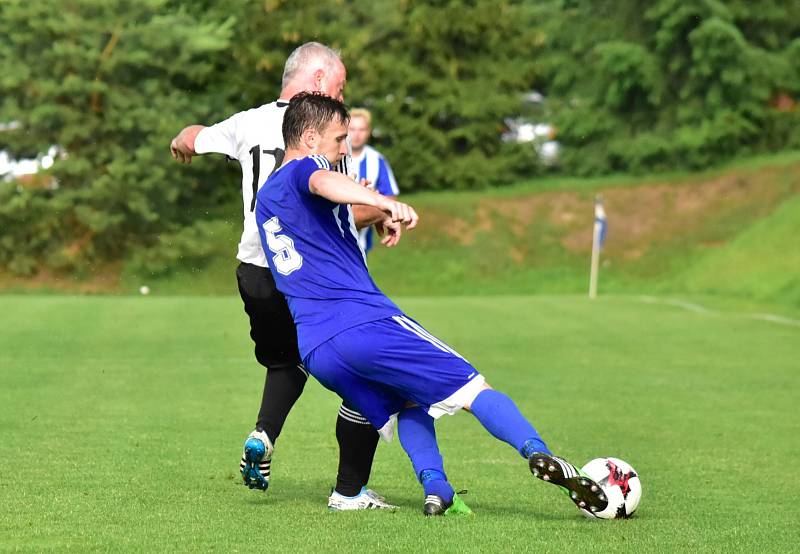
point(697, 308)
point(776, 319)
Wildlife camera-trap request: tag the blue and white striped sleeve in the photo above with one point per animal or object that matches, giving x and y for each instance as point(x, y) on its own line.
point(321, 161)
point(386, 183)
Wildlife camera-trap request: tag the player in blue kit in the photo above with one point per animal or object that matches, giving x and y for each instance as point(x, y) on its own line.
point(357, 342)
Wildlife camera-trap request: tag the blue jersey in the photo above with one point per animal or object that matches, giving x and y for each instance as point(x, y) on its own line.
point(312, 250)
point(374, 167)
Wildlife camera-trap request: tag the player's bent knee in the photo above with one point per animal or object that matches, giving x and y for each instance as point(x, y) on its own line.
point(461, 399)
point(486, 386)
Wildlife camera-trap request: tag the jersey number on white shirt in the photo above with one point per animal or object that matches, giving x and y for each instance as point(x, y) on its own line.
point(277, 153)
point(286, 258)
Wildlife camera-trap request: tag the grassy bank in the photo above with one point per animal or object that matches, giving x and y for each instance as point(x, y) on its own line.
point(725, 231)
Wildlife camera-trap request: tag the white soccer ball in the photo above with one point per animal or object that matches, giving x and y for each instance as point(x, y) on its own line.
point(144, 290)
point(621, 484)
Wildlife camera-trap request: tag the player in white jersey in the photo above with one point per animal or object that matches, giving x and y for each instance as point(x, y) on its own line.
point(254, 138)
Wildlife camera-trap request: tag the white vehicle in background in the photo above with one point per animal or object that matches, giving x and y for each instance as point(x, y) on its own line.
point(525, 129)
point(12, 169)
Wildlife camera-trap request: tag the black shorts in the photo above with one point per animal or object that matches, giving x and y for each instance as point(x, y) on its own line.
point(271, 325)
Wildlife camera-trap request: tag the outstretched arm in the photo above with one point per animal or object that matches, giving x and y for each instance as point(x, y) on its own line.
point(367, 215)
point(342, 190)
point(182, 146)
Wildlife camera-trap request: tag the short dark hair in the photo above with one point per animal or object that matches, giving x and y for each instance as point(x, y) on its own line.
point(311, 110)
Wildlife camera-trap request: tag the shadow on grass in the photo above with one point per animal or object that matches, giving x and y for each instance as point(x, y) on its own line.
point(536, 512)
point(311, 494)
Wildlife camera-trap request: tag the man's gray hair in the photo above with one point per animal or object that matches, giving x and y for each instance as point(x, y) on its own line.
point(306, 56)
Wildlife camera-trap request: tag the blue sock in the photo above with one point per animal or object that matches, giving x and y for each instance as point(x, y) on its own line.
point(418, 438)
point(501, 417)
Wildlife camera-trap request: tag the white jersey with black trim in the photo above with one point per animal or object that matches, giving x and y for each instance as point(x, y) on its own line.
point(255, 139)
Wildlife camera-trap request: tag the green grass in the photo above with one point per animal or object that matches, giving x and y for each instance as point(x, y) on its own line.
point(759, 263)
point(122, 421)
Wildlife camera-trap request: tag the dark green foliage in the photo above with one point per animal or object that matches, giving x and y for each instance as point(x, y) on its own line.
point(631, 86)
point(694, 83)
point(106, 82)
point(441, 84)
point(630, 79)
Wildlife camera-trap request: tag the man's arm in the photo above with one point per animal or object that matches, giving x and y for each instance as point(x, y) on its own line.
point(386, 185)
point(182, 146)
point(220, 138)
point(342, 190)
point(367, 215)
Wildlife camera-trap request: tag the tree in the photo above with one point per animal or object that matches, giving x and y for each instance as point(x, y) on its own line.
point(441, 77)
point(682, 84)
point(106, 81)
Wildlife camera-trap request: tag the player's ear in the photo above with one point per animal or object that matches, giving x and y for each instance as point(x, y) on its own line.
point(310, 138)
point(319, 79)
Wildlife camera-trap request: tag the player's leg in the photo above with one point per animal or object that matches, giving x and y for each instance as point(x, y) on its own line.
point(282, 387)
point(418, 438)
point(376, 403)
point(364, 349)
point(500, 416)
point(275, 338)
point(358, 441)
point(357, 349)
point(274, 334)
point(437, 377)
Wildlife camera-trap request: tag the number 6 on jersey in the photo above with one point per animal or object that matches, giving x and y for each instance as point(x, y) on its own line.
point(286, 258)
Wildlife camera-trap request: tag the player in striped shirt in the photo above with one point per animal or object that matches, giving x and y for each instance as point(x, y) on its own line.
point(356, 341)
point(369, 165)
point(253, 138)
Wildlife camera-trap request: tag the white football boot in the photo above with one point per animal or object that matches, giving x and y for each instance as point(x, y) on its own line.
point(365, 500)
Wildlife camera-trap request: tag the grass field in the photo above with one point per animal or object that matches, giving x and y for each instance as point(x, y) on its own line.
point(122, 421)
point(758, 263)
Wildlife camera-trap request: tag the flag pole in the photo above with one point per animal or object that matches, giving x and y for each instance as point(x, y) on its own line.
point(598, 236)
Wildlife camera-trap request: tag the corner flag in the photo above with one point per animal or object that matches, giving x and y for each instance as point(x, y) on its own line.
point(598, 239)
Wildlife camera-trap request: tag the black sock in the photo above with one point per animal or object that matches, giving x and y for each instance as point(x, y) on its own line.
point(282, 388)
point(358, 441)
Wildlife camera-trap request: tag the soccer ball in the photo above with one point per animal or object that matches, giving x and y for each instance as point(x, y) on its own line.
point(621, 484)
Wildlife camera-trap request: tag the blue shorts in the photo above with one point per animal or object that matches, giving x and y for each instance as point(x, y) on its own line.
point(380, 366)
